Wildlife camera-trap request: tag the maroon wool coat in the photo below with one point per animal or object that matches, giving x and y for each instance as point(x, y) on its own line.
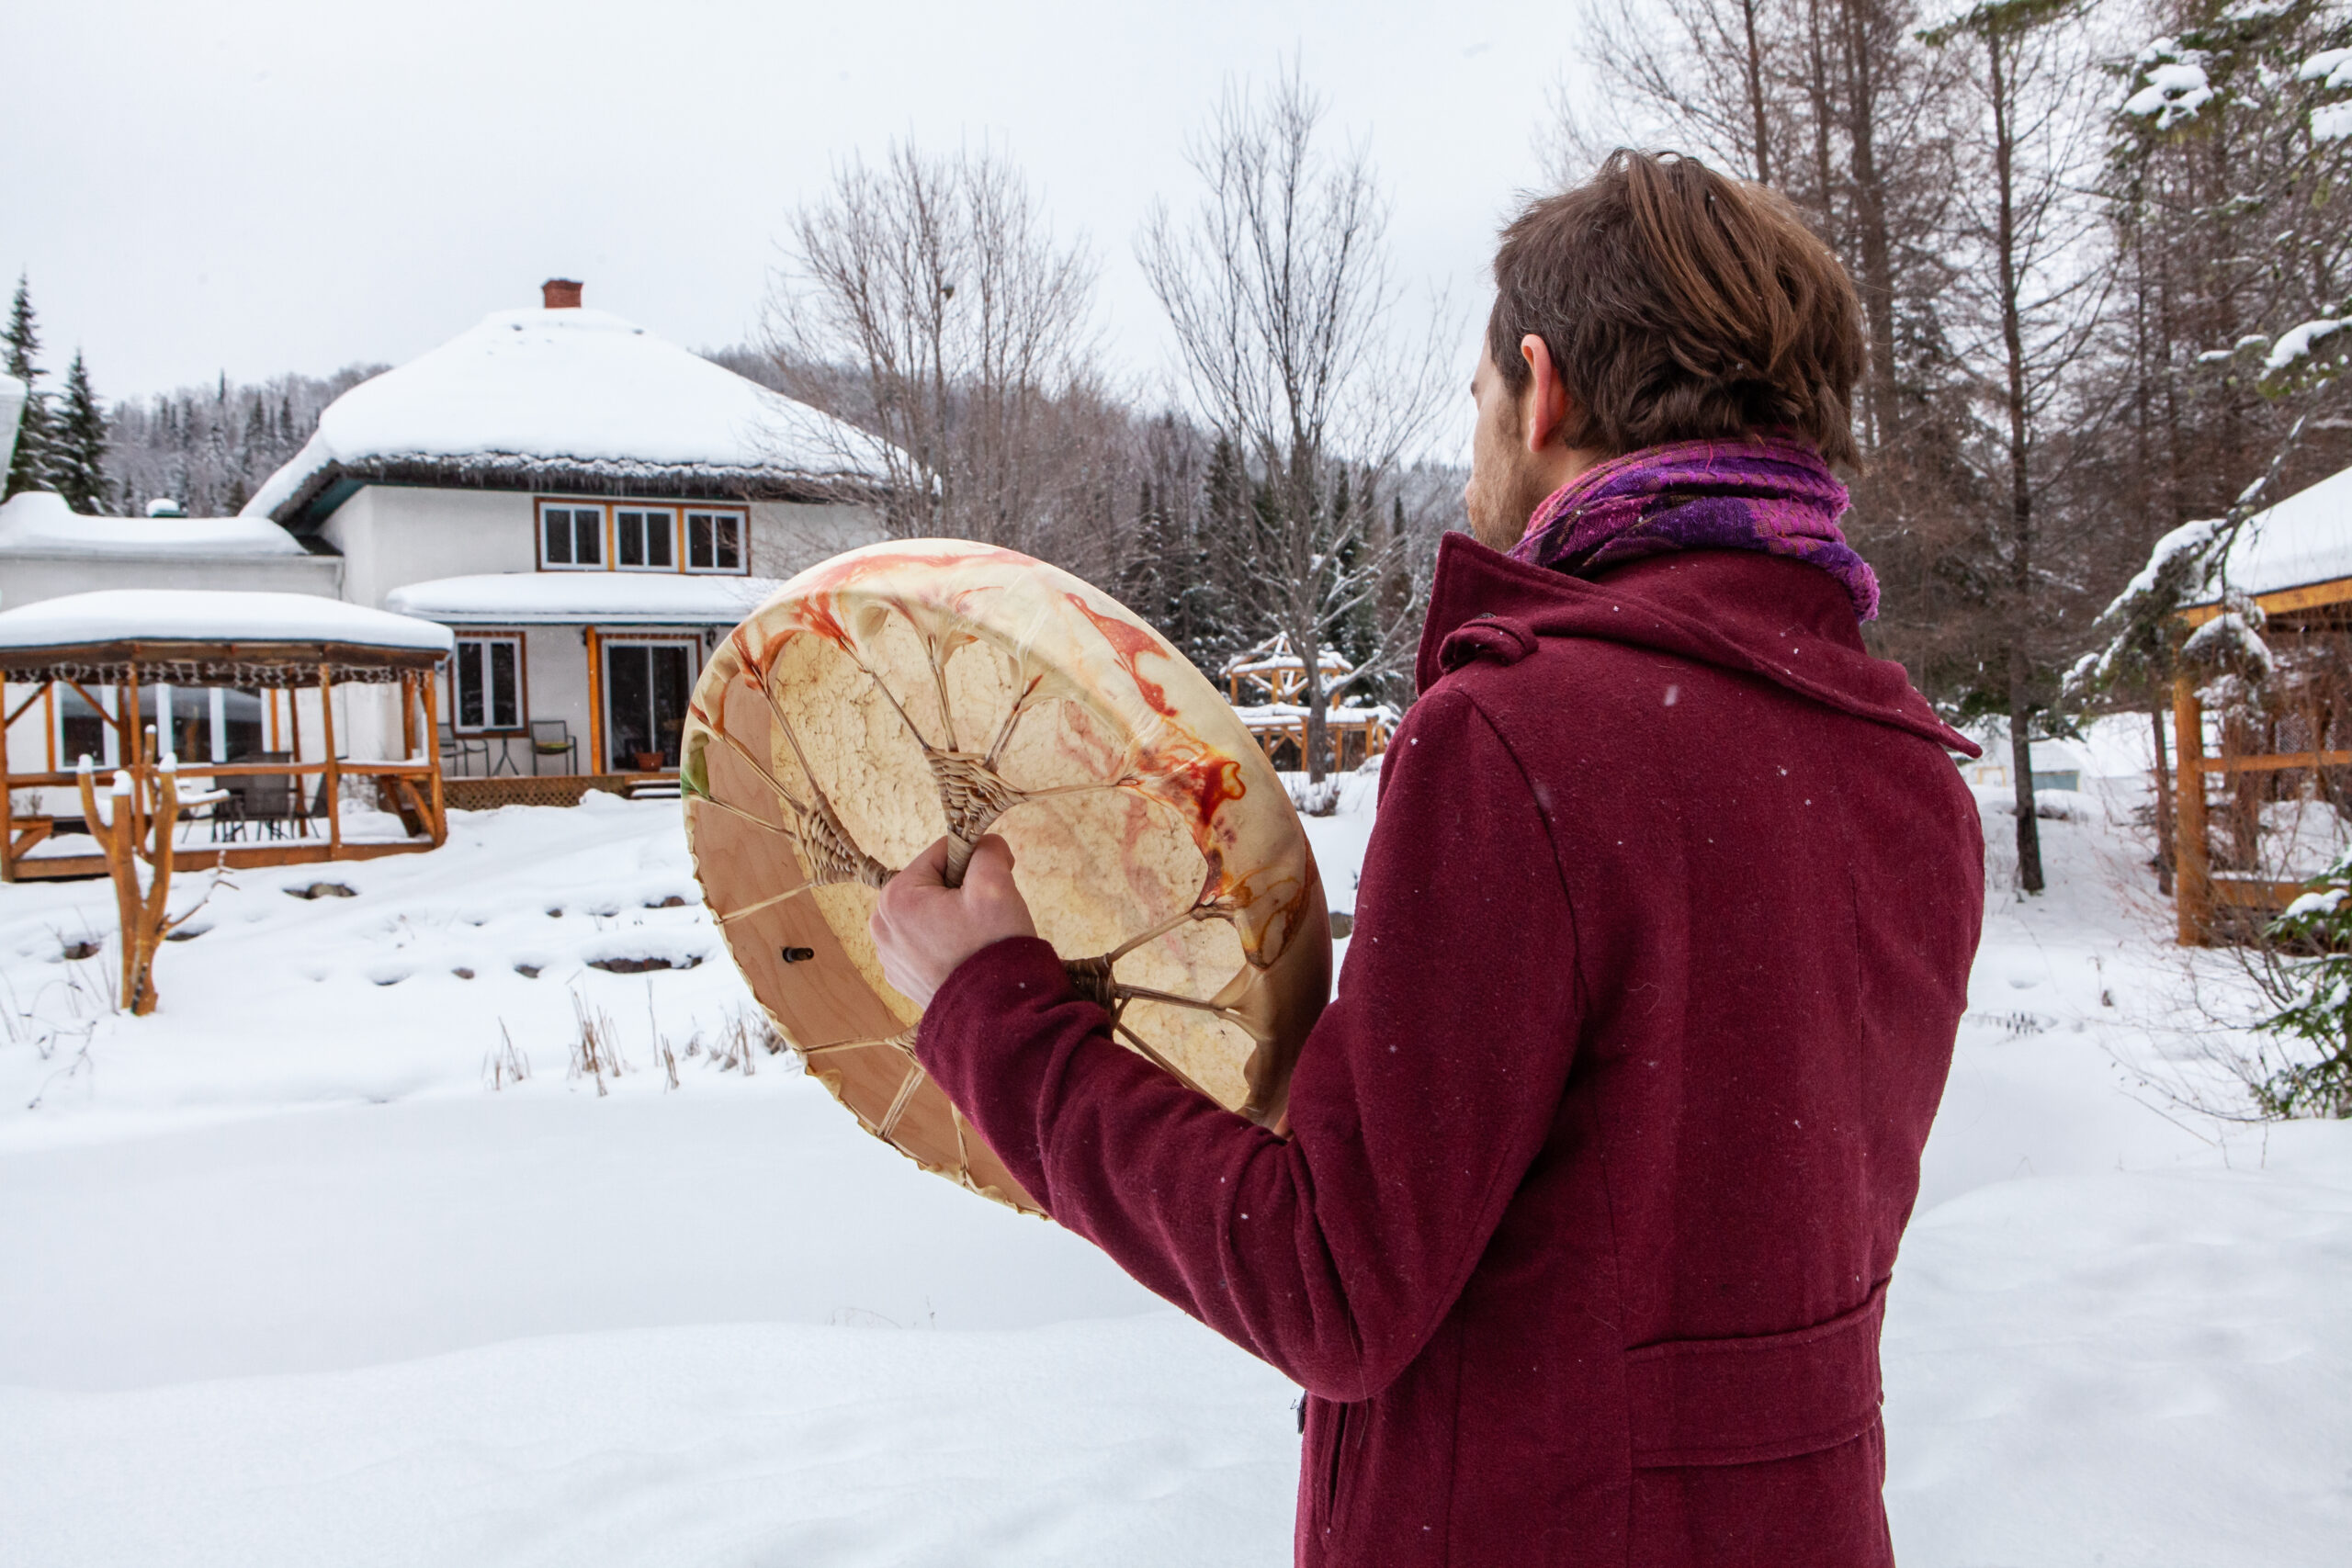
point(1598, 1160)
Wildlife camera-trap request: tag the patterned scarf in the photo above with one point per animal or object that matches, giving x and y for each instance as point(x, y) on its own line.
point(1767, 492)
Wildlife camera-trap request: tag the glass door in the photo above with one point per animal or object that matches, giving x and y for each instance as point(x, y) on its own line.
point(647, 686)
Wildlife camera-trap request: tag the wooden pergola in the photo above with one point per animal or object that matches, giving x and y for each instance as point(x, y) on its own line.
point(1357, 734)
point(409, 786)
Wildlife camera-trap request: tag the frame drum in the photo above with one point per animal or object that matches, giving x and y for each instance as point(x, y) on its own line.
point(925, 687)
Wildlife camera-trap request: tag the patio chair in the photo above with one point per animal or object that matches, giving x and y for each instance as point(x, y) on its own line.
point(456, 751)
point(269, 798)
point(552, 737)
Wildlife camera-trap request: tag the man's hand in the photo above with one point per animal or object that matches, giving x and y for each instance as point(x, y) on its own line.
point(925, 928)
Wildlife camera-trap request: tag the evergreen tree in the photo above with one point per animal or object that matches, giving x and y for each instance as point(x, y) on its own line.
point(30, 468)
point(78, 466)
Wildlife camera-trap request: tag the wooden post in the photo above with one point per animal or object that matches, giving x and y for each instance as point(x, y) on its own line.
point(128, 738)
point(334, 775)
point(7, 798)
point(2192, 874)
point(595, 701)
point(432, 689)
point(408, 714)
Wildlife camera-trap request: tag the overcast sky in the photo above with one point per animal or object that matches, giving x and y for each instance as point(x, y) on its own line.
point(245, 185)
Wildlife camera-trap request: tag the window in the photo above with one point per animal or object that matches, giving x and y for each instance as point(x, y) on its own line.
point(714, 541)
point(638, 535)
point(489, 680)
point(571, 537)
point(83, 731)
point(205, 724)
point(645, 540)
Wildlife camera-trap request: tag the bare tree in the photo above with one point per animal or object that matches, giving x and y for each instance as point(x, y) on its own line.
point(2033, 274)
point(1283, 303)
point(927, 303)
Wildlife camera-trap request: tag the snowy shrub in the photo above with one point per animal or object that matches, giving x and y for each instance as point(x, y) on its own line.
point(1315, 799)
point(2310, 982)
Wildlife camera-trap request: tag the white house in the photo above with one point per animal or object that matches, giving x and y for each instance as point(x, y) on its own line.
point(588, 507)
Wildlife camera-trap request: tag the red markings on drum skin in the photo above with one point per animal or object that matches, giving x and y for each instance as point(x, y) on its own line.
point(1204, 784)
point(1130, 643)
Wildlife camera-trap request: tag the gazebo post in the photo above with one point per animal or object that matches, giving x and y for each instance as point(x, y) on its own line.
point(2192, 875)
point(408, 714)
point(333, 776)
point(130, 736)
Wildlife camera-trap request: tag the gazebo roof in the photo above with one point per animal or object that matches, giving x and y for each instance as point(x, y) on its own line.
point(2299, 551)
point(210, 637)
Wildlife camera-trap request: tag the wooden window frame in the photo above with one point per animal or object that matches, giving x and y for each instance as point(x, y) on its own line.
point(741, 517)
point(677, 535)
point(545, 504)
point(522, 725)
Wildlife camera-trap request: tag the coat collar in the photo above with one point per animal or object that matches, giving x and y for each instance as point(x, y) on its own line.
point(1762, 616)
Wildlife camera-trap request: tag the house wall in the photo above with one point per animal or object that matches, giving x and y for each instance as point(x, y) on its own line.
point(391, 535)
point(788, 538)
point(28, 579)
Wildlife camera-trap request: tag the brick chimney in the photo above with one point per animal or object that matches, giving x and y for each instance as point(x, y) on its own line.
point(560, 293)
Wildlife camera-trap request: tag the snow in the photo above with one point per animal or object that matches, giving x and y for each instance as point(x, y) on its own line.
point(2175, 91)
point(577, 386)
point(291, 1283)
point(174, 614)
point(2231, 635)
point(611, 597)
point(39, 523)
point(2333, 65)
point(2295, 343)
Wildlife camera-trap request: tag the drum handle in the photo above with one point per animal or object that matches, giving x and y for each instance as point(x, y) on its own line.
point(959, 856)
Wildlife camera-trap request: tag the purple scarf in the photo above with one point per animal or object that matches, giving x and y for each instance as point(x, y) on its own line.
point(1765, 492)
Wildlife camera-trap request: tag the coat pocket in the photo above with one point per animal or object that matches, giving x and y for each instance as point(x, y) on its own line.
point(1323, 1470)
point(1705, 1401)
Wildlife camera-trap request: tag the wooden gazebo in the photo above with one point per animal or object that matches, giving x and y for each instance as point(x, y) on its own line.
point(1279, 721)
point(2294, 561)
point(107, 648)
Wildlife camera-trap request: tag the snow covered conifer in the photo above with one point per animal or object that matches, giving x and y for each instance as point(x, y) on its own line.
point(2309, 978)
point(79, 449)
point(30, 468)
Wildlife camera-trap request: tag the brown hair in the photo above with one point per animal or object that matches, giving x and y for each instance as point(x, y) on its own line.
point(1679, 305)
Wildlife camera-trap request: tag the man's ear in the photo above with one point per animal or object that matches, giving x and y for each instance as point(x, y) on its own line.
point(1546, 407)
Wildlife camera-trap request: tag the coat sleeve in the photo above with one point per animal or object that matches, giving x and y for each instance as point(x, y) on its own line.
point(1419, 1102)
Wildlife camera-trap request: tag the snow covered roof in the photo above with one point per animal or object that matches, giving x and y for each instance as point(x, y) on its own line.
point(39, 522)
point(166, 626)
point(1275, 653)
point(2304, 539)
point(574, 598)
point(570, 399)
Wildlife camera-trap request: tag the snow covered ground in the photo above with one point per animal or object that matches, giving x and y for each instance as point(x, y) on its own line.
point(287, 1281)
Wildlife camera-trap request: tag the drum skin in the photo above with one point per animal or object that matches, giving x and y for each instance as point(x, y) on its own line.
point(924, 687)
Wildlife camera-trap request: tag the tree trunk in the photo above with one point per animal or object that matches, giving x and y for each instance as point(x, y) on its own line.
point(1870, 218)
point(1756, 95)
point(2163, 797)
point(2021, 670)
